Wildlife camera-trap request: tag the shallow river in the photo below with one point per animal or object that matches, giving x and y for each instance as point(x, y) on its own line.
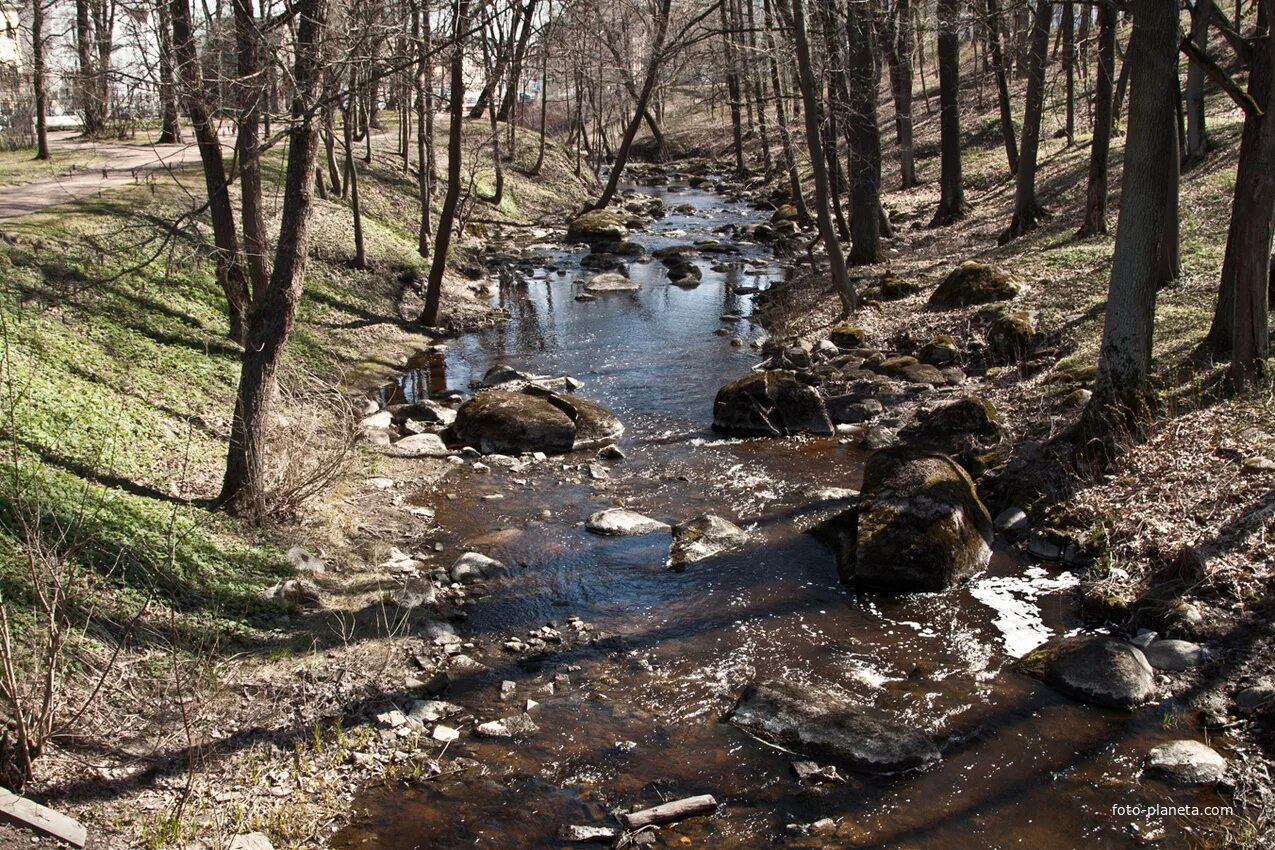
point(639, 722)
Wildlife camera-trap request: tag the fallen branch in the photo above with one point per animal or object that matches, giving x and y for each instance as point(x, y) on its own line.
point(1215, 73)
point(668, 812)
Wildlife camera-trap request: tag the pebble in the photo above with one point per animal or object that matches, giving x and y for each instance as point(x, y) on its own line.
point(444, 734)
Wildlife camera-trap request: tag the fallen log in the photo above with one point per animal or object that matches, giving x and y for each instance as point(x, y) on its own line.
point(32, 815)
point(669, 812)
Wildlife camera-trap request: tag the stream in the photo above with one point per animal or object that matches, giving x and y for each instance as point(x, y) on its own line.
point(636, 720)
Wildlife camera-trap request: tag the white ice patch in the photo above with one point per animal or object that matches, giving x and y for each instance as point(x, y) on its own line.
point(1013, 599)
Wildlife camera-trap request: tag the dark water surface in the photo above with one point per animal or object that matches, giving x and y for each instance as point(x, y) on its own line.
point(639, 724)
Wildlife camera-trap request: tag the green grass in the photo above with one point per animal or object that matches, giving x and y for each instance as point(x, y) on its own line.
point(20, 166)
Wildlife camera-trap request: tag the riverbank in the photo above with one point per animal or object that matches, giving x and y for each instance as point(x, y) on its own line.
point(120, 385)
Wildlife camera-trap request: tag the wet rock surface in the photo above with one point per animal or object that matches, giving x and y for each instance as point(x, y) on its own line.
point(823, 725)
point(498, 421)
point(1095, 669)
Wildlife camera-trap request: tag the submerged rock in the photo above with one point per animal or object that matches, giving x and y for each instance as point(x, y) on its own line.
point(974, 282)
point(770, 404)
point(620, 522)
point(471, 567)
point(703, 537)
point(503, 422)
point(919, 525)
point(1095, 669)
point(507, 727)
point(1186, 762)
point(822, 725)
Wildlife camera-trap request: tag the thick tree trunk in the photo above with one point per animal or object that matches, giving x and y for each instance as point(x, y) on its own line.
point(806, 82)
point(1100, 149)
point(1002, 84)
point(1124, 364)
point(865, 137)
point(1241, 323)
point(952, 206)
point(243, 489)
point(38, 81)
point(456, 126)
point(1027, 210)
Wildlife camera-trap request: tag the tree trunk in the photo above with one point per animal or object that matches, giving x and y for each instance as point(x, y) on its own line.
point(86, 85)
point(1100, 149)
point(1027, 210)
point(1002, 85)
point(1069, 63)
point(806, 82)
point(952, 206)
point(898, 50)
point(510, 99)
point(456, 125)
point(759, 90)
point(352, 175)
point(424, 144)
point(251, 92)
point(243, 490)
point(865, 137)
point(170, 128)
point(1241, 320)
point(1121, 388)
point(38, 81)
point(781, 120)
point(1197, 143)
point(229, 258)
point(643, 101)
point(733, 91)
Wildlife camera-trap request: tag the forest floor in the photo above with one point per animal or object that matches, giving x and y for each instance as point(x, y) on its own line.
point(231, 713)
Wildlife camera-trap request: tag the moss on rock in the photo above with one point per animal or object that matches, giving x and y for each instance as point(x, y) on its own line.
point(974, 282)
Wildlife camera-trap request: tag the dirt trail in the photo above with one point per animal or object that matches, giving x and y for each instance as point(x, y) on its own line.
point(123, 164)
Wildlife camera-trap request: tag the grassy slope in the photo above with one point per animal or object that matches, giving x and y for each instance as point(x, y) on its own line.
point(120, 383)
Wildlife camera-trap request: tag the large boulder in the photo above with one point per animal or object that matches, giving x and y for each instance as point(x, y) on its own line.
point(597, 226)
point(973, 282)
point(772, 403)
point(828, 727)
point(1094, 669)
point(703, 537)
point(919, 525)
point(503, 422)
point(963, 428)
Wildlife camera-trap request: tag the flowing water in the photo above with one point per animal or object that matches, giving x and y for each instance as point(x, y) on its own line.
point(639, 722)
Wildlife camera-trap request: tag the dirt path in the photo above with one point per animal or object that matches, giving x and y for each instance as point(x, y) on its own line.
point(123, 164)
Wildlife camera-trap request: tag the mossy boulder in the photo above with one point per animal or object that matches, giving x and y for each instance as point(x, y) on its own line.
point(974, 282)
point(772, 403)
point(784, 212)
point(919, 525)
point(891, 287)
point(1095, 669)
point(941, 350)
point(846, 335)
point(598, 226)
point(1011, 334)
point(503, 422)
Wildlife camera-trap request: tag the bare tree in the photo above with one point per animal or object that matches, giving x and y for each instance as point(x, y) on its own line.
point(952, 205)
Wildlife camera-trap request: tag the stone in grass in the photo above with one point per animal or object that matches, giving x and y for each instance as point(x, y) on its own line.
point(620, 522)
point(1093, 668)
point(1174, 655)
point(1186, 762)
